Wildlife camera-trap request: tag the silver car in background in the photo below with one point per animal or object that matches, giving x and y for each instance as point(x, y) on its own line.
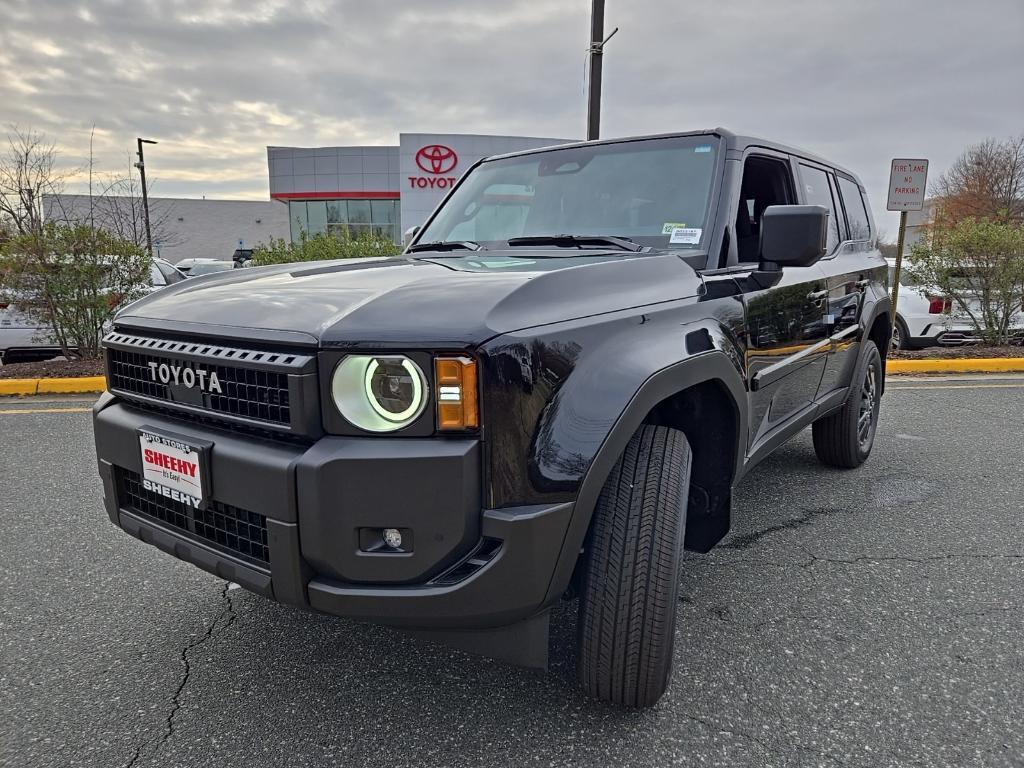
point(23, 339)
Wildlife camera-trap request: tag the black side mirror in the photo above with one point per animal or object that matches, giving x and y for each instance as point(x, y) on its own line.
point(793, 235)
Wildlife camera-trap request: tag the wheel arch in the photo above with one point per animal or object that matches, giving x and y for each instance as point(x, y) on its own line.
point(692, 395)
point(879, 331)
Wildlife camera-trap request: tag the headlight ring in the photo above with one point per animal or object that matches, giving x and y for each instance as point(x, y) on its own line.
point(379, 393)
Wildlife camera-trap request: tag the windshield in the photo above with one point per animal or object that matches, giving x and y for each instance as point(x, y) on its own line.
point(653, 191)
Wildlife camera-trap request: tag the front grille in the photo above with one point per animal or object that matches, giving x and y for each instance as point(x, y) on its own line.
point(251, 385)
point(237, 531)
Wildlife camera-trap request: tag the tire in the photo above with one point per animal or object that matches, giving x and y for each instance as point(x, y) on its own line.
point(900, 335)
point(844, 438)
point(627, 611)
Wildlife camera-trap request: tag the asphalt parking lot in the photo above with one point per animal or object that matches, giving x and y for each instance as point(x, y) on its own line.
point(864, 618)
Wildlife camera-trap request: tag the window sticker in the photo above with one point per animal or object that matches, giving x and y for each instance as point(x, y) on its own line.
point(687, 235)
point(702, 148)
point(668, 226)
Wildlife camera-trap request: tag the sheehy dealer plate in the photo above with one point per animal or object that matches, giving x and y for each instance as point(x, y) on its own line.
point(173, 468)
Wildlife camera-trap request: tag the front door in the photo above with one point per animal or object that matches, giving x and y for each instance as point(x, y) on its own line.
point(787, 345)
point(786, 337)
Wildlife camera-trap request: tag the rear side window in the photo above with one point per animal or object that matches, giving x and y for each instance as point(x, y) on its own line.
point(171, 275)
point(856, 211)
point(817, 191)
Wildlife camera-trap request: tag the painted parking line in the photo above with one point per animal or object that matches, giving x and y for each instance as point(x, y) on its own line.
point(12, 411)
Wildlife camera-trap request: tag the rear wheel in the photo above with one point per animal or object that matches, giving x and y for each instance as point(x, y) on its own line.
point(627, 611)
point(844, 438)
point(900, 336)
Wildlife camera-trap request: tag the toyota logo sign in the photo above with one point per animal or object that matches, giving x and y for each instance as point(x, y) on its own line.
point(436, 158)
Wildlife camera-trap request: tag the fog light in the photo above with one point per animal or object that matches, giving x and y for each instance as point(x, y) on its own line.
point(393, 538)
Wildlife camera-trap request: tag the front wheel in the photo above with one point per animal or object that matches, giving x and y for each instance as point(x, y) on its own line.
point(627, 611)
point(844, 438)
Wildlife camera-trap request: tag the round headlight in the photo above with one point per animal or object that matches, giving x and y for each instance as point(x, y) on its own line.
point(378, 393)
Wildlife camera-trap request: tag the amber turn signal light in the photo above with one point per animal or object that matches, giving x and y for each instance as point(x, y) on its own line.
point(456, 387)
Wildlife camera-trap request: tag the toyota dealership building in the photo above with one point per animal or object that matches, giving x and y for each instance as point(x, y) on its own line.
point(382, 189)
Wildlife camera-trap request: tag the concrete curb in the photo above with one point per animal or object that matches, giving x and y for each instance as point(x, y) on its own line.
point(88, 384)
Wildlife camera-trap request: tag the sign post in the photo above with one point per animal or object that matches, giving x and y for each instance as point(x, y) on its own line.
point(907, 182)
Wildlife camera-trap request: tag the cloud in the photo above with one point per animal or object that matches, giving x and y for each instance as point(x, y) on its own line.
point(216, 81)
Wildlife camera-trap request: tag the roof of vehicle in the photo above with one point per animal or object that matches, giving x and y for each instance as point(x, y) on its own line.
point(733, 142)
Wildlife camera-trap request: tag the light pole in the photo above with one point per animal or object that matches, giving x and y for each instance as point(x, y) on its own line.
point(596, 52)
point(141, 165)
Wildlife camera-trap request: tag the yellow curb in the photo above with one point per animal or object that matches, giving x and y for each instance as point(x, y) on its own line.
point(963, 365)
point(18, 386)
point(68, 386)
point(53, 386)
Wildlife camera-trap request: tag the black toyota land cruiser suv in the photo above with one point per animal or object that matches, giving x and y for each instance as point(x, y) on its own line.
point(552, 392)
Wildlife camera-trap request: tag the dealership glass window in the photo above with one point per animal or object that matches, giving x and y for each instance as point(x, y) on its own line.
point(359, 211)
point(383, 212)
point(337, 217)
point(317, 213)
point(337, 212)
point(297, 218)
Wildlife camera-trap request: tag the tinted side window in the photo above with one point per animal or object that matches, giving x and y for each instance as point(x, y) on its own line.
point(818, 192)
point(856, 212)
point(171, 275)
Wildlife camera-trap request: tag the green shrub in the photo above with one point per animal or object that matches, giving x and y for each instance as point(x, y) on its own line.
point(323, 246)
point(979, 264)
point(72, 279)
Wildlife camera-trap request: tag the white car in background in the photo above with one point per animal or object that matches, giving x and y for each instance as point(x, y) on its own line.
point(23, 339)
point(925, 318)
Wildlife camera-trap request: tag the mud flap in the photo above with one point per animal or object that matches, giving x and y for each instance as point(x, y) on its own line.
point(524, 644)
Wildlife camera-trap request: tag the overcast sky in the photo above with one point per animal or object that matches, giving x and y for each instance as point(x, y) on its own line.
point(216, 81)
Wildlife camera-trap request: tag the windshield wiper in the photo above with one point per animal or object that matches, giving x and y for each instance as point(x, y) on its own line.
point(577, 241)
point(444, 245)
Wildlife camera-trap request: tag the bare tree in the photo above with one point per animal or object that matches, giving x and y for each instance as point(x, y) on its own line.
point(28, 170)
point(114, 204)
point(985, 182)
point(118, 209)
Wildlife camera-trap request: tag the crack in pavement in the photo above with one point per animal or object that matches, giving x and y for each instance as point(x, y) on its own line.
point(747, 540)
point(900, 559)
point(229, 612)
point(770, 749)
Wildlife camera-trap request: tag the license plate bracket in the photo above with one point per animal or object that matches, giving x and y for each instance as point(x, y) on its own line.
point(175, 466)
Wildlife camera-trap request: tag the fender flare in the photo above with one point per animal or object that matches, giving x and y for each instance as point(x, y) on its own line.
point(713, 366)
point(880, 306)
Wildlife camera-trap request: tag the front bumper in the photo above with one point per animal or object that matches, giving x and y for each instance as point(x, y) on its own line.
point(946, 331)
point(468, 568)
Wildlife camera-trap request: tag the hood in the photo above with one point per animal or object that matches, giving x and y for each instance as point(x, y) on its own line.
point(431, 300)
